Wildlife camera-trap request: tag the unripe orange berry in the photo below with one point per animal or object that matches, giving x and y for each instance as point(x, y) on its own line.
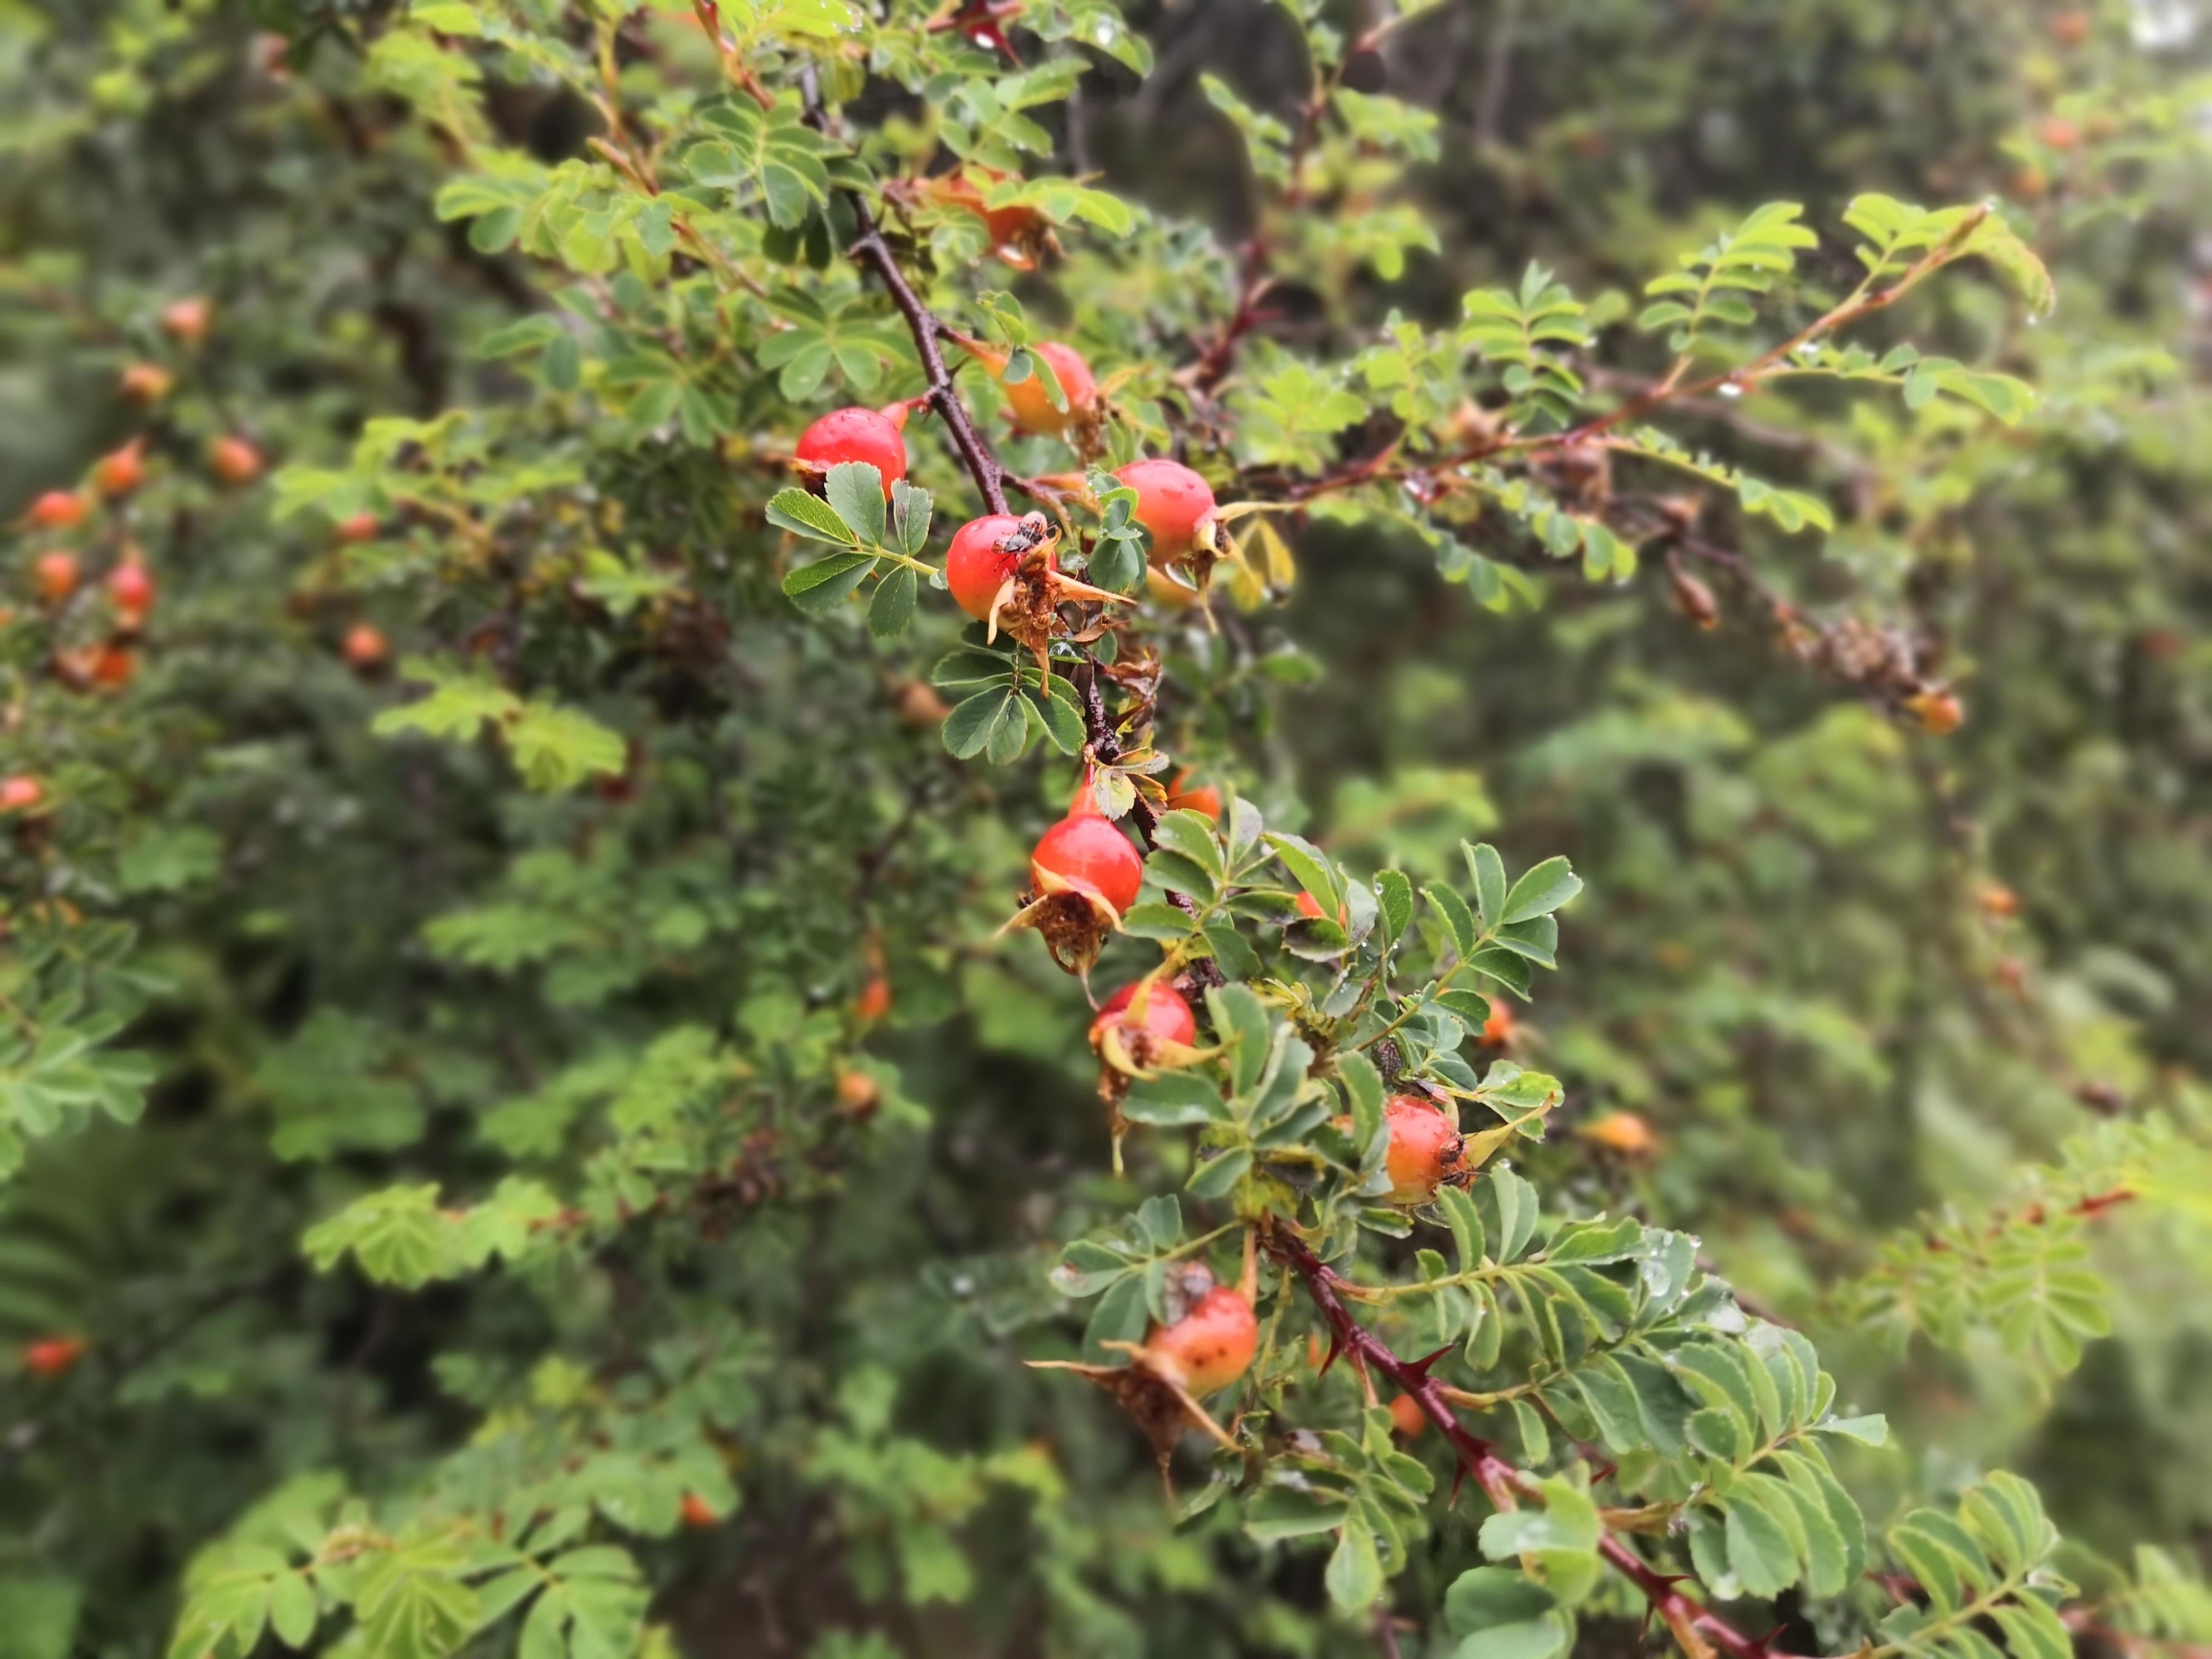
point(698, 1514)
point(858, 1094)
point(1999, 901)
point(1211, 1345)
point(875, 999)
point(188, 321)
point(2059, 133)
point(1424, 1149)
point(57, 509)
point(920, 708)
point(1088, 855)
point(234, 462)
point(1407, 1417)
point(1625, 1134)
point(1174, 503)
point(358, 528)
point(855, 434)
point(147, 383)
point(56, 576)
point(1206, 797)
point(1309, 907)
point(985, 552)
point(2070, 28)
point(365, 647)
point(114, 667)
point(1938, 711)
point(122, 470)
point(1498, 1030)
point(1013, 229)
point(54, 1356)
point(1032, 405)
point(21, 792)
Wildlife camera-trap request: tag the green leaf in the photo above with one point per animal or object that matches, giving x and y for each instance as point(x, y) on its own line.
point(1363, 1088)
point(1355, 1570)
point(1459, 920)
point(1213, 1178)
point(1760, 1551)
point(1310, 869)
point(1501, 1615)
point(558, 748)
point(1540, 892)
point(803, 514)
point(1276, 1512)
point(1487, 870)
point(854, 490)
point(892, 608)
point(984, 722)
point(292, 1609)
point(1393, 895)
point(399, 1234)
point(1870, 1430)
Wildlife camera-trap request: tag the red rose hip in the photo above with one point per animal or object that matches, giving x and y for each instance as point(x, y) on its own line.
point(1174, 503)
point(1210, 1347)
point(1424, 1149)
point(854, 434)
point(1088, 855)
point(56, 576)
point(984, 553)
point(57, 509)
point(131, 588)
point(1167, 1017)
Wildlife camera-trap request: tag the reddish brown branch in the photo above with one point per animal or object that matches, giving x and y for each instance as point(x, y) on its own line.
point(923, 323)
point(926, 327)
point(1698, 1631)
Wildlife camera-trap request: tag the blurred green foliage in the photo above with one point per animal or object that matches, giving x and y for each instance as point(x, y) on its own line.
point(510, 1070)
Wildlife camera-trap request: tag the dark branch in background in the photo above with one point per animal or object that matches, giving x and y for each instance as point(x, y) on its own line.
point(1497, 74)
point(1255, 278)
point(1698, 1631)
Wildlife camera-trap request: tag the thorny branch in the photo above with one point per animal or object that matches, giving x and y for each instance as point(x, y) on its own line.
point(1699, 1633)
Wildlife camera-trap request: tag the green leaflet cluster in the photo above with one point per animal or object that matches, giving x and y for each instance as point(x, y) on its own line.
point(68, 995)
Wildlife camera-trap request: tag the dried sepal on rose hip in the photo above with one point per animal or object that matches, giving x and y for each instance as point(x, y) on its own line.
point(1003, 572)
point(1084, 875)
point(1177, 508)
point(1142, 1029)
point(1207, 1342)
point(1145, 1027)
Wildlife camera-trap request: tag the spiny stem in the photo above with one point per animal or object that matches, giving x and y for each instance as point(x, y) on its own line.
point(1698, 1632)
